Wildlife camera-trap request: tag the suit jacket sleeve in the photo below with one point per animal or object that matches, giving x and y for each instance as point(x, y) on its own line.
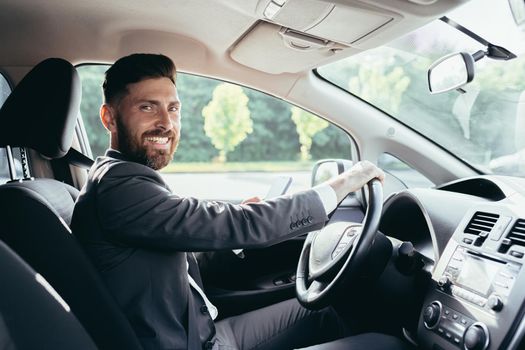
point(135, 207)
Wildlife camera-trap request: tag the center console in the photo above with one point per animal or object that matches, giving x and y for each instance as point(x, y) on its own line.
point(478, 284)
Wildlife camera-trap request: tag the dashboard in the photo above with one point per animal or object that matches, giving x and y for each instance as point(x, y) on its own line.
point(473, 230)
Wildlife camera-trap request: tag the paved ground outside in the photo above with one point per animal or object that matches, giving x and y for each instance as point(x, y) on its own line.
point(238, 186)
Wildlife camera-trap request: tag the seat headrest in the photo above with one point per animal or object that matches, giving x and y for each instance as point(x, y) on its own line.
point(41, 111)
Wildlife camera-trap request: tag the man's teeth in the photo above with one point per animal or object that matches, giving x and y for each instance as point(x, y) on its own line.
point(160, 140)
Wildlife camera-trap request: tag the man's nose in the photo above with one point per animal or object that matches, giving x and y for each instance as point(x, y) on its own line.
point(164, 120)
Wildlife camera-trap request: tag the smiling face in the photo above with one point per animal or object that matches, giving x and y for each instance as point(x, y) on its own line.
point(145, 123)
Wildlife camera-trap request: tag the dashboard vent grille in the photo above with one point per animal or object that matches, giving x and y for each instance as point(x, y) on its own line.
point(517, 234)
point(481, 222)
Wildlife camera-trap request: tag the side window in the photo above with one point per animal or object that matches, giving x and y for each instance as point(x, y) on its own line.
point(403, 172)
point(92, 77)
point(5, 91)
point(235, 142)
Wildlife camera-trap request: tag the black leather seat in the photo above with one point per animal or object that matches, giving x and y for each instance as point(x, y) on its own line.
point(31, 315)
point(41, 114)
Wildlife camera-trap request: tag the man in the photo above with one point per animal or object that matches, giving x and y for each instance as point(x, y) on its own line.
point(137, 232)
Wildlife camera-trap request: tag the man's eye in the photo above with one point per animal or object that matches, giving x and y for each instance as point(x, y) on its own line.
point(146, 108)
point(174, 109)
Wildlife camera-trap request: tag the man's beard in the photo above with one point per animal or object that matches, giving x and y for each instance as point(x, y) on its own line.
point(138, 152)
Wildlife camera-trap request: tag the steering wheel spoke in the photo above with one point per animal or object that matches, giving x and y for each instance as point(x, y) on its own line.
point(330, 246)
point(335, 251)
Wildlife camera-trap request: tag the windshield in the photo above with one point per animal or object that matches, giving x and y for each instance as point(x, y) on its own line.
point(485, 124)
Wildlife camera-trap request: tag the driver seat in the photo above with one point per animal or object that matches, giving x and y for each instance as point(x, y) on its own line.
point(36, 212)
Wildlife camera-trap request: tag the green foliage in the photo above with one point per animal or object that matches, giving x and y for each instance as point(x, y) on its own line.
point(505, 76)
point(227, 119)
point(92, 78)
point(195, 93)
point(274, 137)
point(331, 142)
point(307, 126)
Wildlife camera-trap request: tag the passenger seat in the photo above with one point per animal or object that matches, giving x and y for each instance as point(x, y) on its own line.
point(32, 315)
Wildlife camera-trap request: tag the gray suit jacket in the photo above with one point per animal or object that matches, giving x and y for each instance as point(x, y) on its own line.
point(136, 231)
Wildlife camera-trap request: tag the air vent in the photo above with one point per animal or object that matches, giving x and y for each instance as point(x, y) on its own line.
point(481, 222)
point(480, 225)
point(517, 234)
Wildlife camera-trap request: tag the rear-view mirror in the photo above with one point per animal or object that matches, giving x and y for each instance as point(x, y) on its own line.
point(450, 72)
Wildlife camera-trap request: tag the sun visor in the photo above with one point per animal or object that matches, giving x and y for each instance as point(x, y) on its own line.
point(274, 49)
point(295, 35)
point(343, 23)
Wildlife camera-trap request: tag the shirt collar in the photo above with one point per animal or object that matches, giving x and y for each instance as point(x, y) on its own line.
point(113, 153)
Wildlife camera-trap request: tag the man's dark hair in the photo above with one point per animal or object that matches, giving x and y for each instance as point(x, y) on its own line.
point(134, 68)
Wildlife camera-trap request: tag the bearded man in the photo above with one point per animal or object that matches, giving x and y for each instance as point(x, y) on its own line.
point(139, 233)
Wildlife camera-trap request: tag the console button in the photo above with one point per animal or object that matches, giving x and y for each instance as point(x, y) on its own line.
point(480, 301)
point(444, 282)
point(432, 314)
point(278, 282)
point(476, 337)
point(495, 303)
point(513, 268)
point(516, 254)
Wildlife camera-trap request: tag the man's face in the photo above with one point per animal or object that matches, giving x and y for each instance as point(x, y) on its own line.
point(148, 122)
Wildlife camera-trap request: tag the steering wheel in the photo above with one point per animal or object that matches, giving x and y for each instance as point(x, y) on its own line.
point(336, 253)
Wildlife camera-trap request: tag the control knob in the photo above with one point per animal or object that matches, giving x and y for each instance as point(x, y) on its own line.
point(444, 282)
point(476, 337)
point(432, 314)
point(495, 303)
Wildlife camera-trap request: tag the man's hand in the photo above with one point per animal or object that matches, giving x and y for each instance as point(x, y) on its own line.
point(251, 200)
point(355, 178)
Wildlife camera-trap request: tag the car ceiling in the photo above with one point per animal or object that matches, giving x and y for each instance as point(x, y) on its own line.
point(202, 32)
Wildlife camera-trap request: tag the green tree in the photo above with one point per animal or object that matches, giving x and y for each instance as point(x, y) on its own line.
point(227, 119)
point(307, 126)
point(331, 142)
point(274, 137)
point(92, 77)
point(195, 93)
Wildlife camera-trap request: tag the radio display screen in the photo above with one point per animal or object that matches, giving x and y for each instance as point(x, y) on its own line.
point(477, 273)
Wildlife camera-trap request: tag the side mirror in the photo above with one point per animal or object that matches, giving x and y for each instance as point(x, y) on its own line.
point(451, 72)
point(327, 169)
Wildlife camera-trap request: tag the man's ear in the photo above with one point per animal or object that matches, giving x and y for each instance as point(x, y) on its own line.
point(107, 116)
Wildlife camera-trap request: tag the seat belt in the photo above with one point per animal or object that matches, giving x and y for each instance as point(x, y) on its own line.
point(78, 159)
point(60, 166)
